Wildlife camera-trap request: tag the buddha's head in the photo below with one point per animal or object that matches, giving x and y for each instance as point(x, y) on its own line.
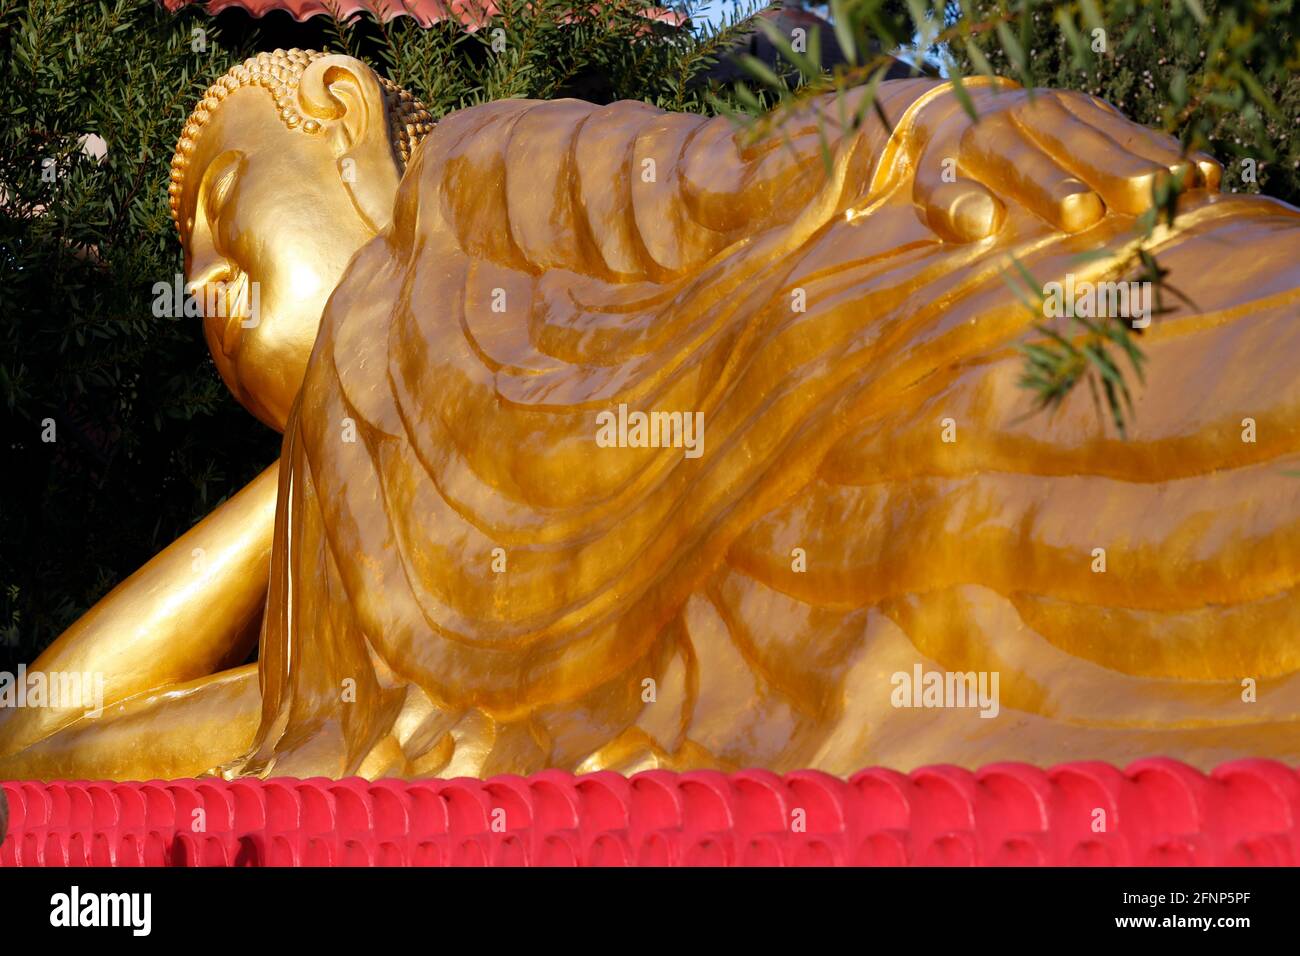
point(289, 164)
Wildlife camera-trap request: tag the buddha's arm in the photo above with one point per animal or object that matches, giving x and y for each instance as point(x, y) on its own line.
point(189, 612)
point(626, 192)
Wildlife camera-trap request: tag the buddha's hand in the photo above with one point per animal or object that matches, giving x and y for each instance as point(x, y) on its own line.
point(1067, 157)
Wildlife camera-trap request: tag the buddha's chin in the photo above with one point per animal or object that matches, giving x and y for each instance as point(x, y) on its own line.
point(265, 395)
point(271, 417)
point(249, 390)
point(264, 382)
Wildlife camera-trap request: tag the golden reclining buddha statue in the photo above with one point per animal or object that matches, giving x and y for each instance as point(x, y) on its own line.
point(614, 439)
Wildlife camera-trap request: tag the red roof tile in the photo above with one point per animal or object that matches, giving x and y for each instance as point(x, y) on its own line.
point(473, 14)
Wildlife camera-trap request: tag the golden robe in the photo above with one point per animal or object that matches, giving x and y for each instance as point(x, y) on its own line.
point(463, 581)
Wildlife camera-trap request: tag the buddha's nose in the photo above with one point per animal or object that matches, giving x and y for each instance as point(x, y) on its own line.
point(202, 274)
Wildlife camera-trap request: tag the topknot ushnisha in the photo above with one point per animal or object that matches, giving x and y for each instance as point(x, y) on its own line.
point(279, 73)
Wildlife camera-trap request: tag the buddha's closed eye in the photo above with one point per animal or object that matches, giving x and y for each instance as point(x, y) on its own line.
point(215, 279)
point(214, 193)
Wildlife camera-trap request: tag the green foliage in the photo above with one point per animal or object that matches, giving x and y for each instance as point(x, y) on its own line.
point(545, 49)
point(148, 438)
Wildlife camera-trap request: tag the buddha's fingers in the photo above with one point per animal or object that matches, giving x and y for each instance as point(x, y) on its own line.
point(1150, 144)
point(1125, 181)
point(996, 152)
point(958, 208)
point(961, 210)
point(1211, 171)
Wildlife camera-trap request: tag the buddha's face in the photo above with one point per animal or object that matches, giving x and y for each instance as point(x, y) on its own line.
point(270, 217)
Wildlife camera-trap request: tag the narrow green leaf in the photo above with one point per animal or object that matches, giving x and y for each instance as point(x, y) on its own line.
point(841, 22)
point(1198, 11)
point(960, 92)
point(978, 60)
point(1091, 15)
point(1014, 51)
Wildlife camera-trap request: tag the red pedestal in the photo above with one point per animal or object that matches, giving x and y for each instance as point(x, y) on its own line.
point(1156, 812)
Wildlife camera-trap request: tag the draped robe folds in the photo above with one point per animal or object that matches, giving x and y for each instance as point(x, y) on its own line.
point(464, 582)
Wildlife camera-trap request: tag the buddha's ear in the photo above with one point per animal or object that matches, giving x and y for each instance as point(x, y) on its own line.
point(344, 95)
